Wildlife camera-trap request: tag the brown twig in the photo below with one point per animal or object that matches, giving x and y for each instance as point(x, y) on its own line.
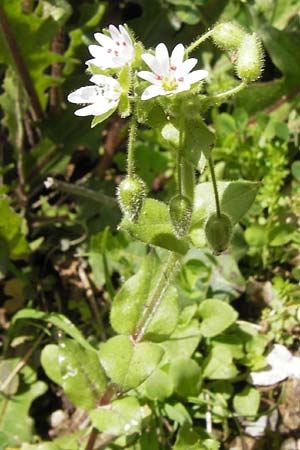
point(57, 46)
point(21, 68)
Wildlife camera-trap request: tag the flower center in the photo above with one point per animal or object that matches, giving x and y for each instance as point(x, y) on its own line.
point(169, 83)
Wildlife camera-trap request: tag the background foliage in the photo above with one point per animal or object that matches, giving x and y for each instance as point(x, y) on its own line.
point(62, 254)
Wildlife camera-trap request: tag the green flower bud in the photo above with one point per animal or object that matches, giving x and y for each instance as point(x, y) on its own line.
point(249, 58)
point(218, 232)
point(131, 194)
point(180, 210)
point(228, 35)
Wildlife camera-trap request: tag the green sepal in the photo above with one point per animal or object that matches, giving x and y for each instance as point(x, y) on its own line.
point(98, 119)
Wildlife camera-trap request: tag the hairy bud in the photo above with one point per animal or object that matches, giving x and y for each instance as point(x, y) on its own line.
point(249, 58)
point(228, 35)
point(218, 232)
point(131, 194)
point(180, 210)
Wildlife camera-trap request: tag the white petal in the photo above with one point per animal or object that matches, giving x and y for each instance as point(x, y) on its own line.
point(183, 86)
point(98, 52)
point(125, 35)
point(279, 360)
point(153, 91)
point(114, 32)
point(257, 428)
point(195, 76)
point(152, 62)
point(96, 109)
point(106, 81)
point(86, 94)
point(104, 40)
point(162, 57)
point(177, 55)
point(294, 370)
point(186, 67)
point(149, 76)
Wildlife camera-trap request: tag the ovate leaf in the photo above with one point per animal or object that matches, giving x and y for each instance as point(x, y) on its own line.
point(246, 402)
point(153, 227)
point(128, 364)
point(217, 316)
point(132, 300)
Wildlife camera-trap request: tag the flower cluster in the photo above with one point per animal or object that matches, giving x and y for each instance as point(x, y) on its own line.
point(169, 74)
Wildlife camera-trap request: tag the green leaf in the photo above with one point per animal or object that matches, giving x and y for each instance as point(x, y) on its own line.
point(197, 138)
point(11, 229)
point(186, 376)
point(132, 300)
point(124, 78)
point(124, 106)
point(16, 426)
point(246, 402)
point(218, 365)
point(123, 417)
point(6, 366)
point(59, 320)
point(153, 227)
point(71, 366)
point(217, 316)
point(236, 197)
point(256, 235)
point(184, 340)
point(171, 135)
point(128, 364)
point(98, 119)
point(159, 385)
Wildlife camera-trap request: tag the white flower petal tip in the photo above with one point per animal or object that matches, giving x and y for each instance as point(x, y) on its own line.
point(170, 75)
point(257, 428)
point(98, 99)
point(112, 52)
point(282, 364)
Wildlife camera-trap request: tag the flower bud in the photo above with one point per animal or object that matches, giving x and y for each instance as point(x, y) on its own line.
point(228, 35)
point(131, 194)
point(249, 58)
point(180, 210)
point(218, 232)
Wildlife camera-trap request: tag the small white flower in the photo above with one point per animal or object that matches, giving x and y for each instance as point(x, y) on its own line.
point(169, 75)
point(100, 99)
point(113, 52)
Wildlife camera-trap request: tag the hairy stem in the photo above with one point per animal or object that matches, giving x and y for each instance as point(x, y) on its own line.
point(131, 139)
point(156, 297)
point(224, 95)
point(214, 182)
point(80, 191)
point(198, 42)
point(21, 68)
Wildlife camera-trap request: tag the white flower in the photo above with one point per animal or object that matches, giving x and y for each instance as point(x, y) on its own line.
point(100, 99)
point(282, 364)
point(169, 75)
point(114, 51)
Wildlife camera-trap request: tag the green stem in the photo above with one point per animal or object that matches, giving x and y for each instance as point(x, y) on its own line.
point(197, 42)
point(20, 66)
point(80, 191)
point(179, 172)
point(214, 182)
point(156, 297)
point(130, 152)
point(224, 95)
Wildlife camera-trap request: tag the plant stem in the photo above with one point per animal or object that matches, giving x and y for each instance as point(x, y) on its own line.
point(224, 95)
point(130, 151)
point(80, 191)
point(214, 182)
point(21, 68)
point(156, 297)
point(197, 42)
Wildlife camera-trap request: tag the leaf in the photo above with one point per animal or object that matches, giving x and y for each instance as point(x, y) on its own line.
point(236, 197)
point(153, 227)
point(186, 376)
point(197, 138)
point(159, 385)
point(218, 365)
point(59, 320)
point(71, 366)
point(246, 402)
point(217, 316)
point(6, 366)
point(16, 426)
point(184, 340)
point(132, 299)
point(121, 417)
point(11, 229)
point(128, 364)
point(256, 235)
